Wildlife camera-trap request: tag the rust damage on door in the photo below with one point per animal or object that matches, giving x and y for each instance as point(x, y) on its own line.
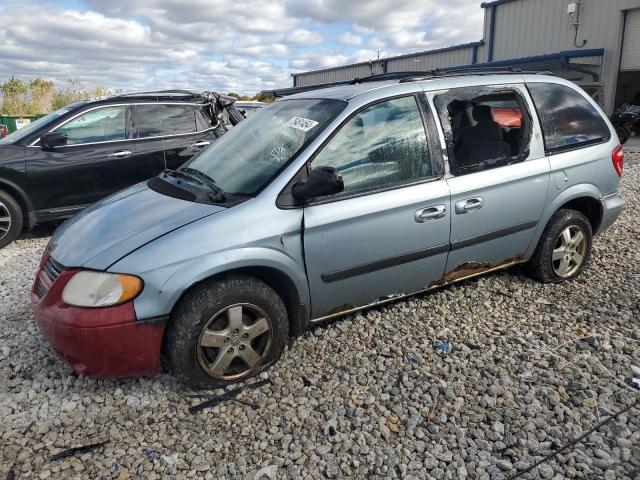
point(461, 272)
point(472, 269)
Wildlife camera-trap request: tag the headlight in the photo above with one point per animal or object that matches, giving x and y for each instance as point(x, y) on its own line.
point(98, 289)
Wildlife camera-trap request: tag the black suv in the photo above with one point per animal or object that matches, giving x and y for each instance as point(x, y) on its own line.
point(71, 158)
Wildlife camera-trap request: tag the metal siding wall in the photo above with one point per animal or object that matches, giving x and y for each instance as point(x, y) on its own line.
point(535, 27)
point(348, 72)
point(428, 61)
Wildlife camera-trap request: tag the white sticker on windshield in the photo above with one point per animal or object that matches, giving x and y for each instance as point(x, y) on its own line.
point(300, 123)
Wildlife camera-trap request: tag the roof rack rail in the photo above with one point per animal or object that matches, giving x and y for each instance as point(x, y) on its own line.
point(410, 76)
point(381, 77)
point(458, 71)
point(161, 93)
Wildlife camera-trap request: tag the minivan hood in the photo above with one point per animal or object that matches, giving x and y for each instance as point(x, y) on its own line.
point(103, 233)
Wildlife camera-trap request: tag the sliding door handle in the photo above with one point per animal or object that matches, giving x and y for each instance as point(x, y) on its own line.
point(469, 205)
point(430, 213)
point(201, 144)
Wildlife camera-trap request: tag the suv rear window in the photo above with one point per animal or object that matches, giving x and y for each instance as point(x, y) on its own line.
point(154, 120)
point(568, 119)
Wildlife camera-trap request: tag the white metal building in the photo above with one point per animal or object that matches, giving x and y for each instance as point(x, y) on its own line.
point(595, 43)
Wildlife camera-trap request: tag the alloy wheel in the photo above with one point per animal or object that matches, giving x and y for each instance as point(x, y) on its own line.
point(5, 220)
point(569, 252)
point(234, 341)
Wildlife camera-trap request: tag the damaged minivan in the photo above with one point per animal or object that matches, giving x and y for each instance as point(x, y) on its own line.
point(325, 203)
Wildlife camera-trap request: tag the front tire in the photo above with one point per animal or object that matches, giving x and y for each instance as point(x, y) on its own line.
point(226, 331)
point(11, 219)
point(564, 248)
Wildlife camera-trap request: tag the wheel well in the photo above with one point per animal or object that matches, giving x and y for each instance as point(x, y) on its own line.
point(589, 207)
point(283, 286)
point(18, 198)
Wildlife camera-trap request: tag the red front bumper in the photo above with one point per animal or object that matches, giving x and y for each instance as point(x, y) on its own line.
point(99, 342)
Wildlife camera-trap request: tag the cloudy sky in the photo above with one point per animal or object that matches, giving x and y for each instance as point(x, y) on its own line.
point(223, 45)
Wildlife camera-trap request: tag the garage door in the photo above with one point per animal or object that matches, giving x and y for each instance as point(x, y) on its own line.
point(631, 43)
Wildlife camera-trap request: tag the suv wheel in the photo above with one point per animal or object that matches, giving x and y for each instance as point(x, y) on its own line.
point(10, 219)
point(226, 331)
point(564, 248)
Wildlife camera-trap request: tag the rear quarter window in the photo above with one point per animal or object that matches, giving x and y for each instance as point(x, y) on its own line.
point(568, 120)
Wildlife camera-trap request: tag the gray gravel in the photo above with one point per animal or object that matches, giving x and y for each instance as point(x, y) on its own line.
point(370, 396)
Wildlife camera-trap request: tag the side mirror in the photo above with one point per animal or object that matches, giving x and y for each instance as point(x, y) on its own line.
point(53, 139)
point(322, 181)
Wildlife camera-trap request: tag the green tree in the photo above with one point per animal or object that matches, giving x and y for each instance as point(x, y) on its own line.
point(264, 98)
point(14, 92)
point(74, 91)
point(40, 96)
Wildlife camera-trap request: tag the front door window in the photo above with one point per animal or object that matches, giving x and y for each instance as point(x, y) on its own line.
point(382, 146)
point(99, 125)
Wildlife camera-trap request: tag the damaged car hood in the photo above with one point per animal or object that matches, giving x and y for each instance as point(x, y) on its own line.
point(105, 232)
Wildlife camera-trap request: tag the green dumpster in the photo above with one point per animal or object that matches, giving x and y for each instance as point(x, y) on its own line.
point(13, 122)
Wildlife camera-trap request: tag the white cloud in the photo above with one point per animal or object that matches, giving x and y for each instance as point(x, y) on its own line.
point(303, 37)
point(348, 38)
point(244, 45)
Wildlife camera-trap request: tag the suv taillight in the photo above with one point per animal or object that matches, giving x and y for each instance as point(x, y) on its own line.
point(617, 157)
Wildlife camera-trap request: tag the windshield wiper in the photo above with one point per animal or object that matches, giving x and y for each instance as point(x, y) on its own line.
point(201, 178)
point(211, 183)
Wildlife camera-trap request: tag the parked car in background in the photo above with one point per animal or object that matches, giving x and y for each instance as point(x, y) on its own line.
point(248, 108)
point(59, 164)
point(626, 120)
point(322, 204)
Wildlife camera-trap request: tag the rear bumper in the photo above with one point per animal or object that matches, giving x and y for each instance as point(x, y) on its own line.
point(99, 342)
point(612, 205)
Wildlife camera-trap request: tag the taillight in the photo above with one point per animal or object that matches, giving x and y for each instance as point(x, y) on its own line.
point(617, 157)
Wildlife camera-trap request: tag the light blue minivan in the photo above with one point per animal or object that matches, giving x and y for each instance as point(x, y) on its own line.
point(324, 203)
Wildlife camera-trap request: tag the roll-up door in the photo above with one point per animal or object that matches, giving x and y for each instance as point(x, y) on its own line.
point(631, 42)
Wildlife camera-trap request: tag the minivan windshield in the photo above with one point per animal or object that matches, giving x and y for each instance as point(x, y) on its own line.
point(39, 123)
point(247, 157)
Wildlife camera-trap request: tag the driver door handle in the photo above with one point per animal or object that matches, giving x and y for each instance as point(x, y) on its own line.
point(430, 213)
point(469, 205)
point(120, 154)
point(200, 144)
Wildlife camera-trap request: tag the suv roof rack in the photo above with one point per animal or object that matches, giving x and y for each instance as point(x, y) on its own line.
point(162, 93)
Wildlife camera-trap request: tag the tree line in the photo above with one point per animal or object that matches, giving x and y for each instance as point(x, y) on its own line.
point(38, 96)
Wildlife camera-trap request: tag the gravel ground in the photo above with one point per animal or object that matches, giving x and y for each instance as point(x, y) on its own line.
point(370, 396)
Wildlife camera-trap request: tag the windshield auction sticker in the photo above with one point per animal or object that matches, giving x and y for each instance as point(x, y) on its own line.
point(300, 123)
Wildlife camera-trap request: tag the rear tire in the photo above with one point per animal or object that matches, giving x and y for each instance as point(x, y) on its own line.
point(226, 331)
point(11, 219)
point(564, 249)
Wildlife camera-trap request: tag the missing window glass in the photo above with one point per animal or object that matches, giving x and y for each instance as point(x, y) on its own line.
point(485, 127)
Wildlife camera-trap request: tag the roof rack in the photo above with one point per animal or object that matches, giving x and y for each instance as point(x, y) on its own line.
point(459, 71)
point(410, 76)
point(161, 93)
point(381, 77)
